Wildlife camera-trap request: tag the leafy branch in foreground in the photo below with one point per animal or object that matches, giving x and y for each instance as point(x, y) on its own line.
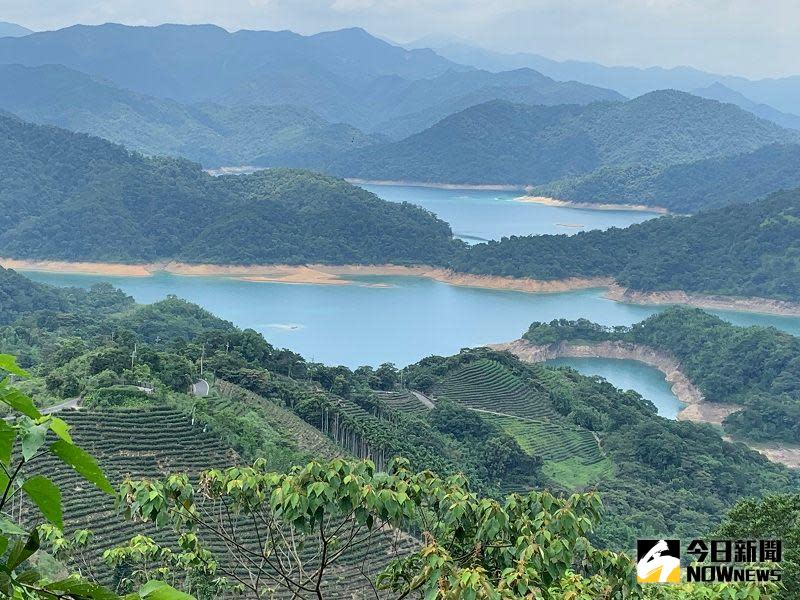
point(21, 442)
point(307, 522)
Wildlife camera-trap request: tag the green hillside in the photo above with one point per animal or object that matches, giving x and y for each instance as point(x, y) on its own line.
point(589, 434)
point(547, 427)
point(749, 251)
point(503, 143)
point(690, 187)
point(755, 367)
point(74, 197)
point(212, 134)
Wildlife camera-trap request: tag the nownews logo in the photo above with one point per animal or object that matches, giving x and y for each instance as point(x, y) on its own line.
point(715, 561)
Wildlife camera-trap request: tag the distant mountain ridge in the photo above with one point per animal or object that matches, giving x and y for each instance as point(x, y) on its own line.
point(504, 143)
point(211, 134)
point(344, 76)
point(13, 30)
point(781, 94)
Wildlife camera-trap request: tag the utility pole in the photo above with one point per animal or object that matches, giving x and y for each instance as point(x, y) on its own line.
point(202, 356)
point(133, 354)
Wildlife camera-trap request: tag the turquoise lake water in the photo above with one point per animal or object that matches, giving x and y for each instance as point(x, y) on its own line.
point(478, 215)
point(629, 375)
point(407, 318)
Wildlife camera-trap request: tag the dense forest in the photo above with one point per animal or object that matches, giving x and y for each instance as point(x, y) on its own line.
point(501, 142)
point(688, 187)
point(211, 134)
point(749, 251)
point(755, 367)
point(632, 455)
point(75, 197)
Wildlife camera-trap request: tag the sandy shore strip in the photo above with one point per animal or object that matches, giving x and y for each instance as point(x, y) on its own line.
point(590, 205)
point(488, 187)
point(84, 268)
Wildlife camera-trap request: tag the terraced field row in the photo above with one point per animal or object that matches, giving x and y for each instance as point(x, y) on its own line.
point(404, 401)
point(488, 385)
point(571, 454)
point(150, 443)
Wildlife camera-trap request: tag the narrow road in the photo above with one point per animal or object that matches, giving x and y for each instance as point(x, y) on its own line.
point(424, 399)
point(72, 403)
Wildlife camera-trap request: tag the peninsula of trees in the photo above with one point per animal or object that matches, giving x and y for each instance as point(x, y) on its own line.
point(757, 368)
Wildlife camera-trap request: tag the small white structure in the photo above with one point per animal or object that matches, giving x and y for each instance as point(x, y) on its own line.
point(201, 388)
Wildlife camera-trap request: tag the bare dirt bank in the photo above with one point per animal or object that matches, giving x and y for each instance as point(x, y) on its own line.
point(88, 268)
point(590, 205)
point(310, 274)
point(758, 305)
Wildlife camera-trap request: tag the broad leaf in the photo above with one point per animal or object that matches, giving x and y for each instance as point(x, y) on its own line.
point(83, 463)
point(32, 439)
point(19, 402)
point(7, 436)
point(46, 495)
point(9, 364)
point(8, 527)
point(23, 551)
point(81, 588)
point(61, 429)
point(158, 590)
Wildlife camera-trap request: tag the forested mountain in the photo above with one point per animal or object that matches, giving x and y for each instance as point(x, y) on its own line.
point(12, 29)
point(344, 76)
point(782, 93)
point(757, 368)
point(687, 187)
point(74, 197)
point(722, 93)
point(421, 103)
point(211, 134)
point(746, 250)
point(19, 296)
point(500, 142)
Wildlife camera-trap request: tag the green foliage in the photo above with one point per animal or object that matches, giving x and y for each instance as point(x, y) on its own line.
point(527, 546)
point(755, 367)
point(17, 579)
point(771, 517)
point(501, 142)
point(750, 251)
point(640, 462)
point(687, 187)
point(95, 213)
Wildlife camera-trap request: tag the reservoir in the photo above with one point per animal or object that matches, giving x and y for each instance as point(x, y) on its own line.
point(404, 319)
point(480, 215)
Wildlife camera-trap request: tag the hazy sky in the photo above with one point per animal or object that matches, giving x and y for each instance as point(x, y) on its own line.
point(756, 38)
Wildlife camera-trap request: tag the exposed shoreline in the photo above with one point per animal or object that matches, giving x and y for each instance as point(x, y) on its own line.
point(317, 274)
point(546, 200)
point(696, 408)
point(754, 304)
